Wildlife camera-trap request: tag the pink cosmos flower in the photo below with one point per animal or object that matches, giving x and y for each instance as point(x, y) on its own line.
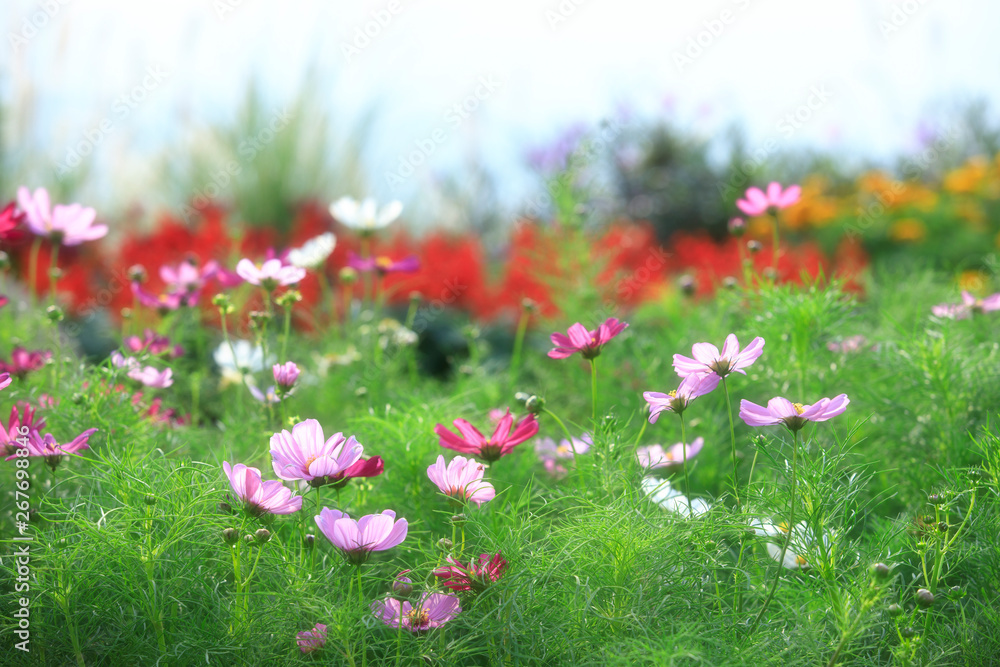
point(162, 302)
point(848, 345)
point(708, 359)
point(10, 218)
point(462, 480)
point(3, 300)
point(312, 640)
point(151, 377)
point(383, 265)
point(5, 380)
point(501, 443)
point(153, 343)
point(268, 396)
point(474, 577)
point(358, 539)
point(757, 202)
point(23, 362)
point(655, 456)
point(432, 611)
point(270, 275)
point(10, 433)
point(969, 306)
point(52, 451)
point(554, 455)
point(691, 387)
point(587, 343)
point(285, 375)
point(305, 454)
point(260, 497)
point(793, 415)
point(67, 225)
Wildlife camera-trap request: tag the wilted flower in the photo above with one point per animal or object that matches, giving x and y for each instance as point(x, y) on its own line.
point(587, 343)
point(669, 498)
point(690, 388)
point(312, 640)
point(67, 225)
point(654, 456)
point(52, 451)
point(358, 539)
point(432, 611)
point(270, 275)
point(501, 443)
point(365, 217)
point(23, 362)
point(708, 359)
point(554, 455)
point(305, 454)
point(260, 497)
point(474, 577)
point(314, 253)
point(793, 415)
point(383, 265)
point(462, 479)
point(758, 202)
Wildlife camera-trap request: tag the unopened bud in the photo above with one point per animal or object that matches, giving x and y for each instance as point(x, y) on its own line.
point(150, 499)
point(444, 544)
point(221, 301)
point(289, 298)
point(126, 313)
point(459, 520)
point(925, 598)
point(309, 540)
point(226, 508)
point(249, 539)
point(754, 247)
point(894, 610)
point(229, 536)
point(263, 536)
point(881, 571)
point(737, 226)
point(729, 282)
point(402, 586)
point(535, 404)
point(348, 276)
point(935, 499)
point(529, 305)
point(54, 313)
point(521, 397)
point(136, 273)
point(943, 526)
point(416, 298)
point(687, 284)
point(908, 633)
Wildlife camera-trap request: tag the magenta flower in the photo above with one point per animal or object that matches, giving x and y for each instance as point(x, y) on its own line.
point(587, 343)
point(11, 433)
point(312, 640)
point(432, 611)
point(260, 497)
point(23, 362)
point(10, 218)
point(462, 480)
point(305, 454)
point(655, 456)
point(3, 300)
point(358, 539)
point(52, 451)
point(162, 302)
point(474, 577)
point(5, 380)
point(67, 225)
point(793, 415)
point(153, 343)
point(554, 455)
point(383, 265)
point(758, 202)
point(285, 375)
point(691, 387)
point(270, 275)
point(708, 359)
point(970, 305)
point(501, 443)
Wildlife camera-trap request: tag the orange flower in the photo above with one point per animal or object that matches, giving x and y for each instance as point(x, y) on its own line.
point(907, 229)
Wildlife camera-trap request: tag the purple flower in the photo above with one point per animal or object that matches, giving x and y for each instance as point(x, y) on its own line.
point(462, 480)
point(654, 456)
point(691, 387)
point(432, 611)
point(67, 225)
point(260, 497)
point(757, 202)
point(306, 454)
point(708, 359)
point(270, 275)
point(587, 343)
point(793, 415)
point(358, 539)
point(312, 640)
point(52, 451)
point(285, 375)
point(383, 265)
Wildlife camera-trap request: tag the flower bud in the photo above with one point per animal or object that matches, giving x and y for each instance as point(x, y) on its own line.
point(895, 610)
point(289, 298)
point(737, 227)
point(444, 544)
point(943, 526)
point(908, 633)
point(521, 397)
point(136, 273)
point(54, 313)
point(535, 404)
point(935, 499)
point(925, 598)
point(416, 298)
point(309, 540)
point(150, 499)
point(249, 539)
point(126, 313)
point(459, 520)
point(226, 508)
point(348, 276)
point(729, 282)
point(529, 305)
point(881, 571)
point(402, 586)
point(263, 535)
point(229, 536)
point(687, 284)
point(221, 301)
point(754, 247)
point(4, 261)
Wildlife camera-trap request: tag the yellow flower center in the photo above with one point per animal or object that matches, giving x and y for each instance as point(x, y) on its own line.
point(799, 408)
point(418, 617)
point(383, 262)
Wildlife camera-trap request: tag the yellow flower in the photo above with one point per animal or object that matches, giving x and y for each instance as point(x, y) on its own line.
point(907, 229)
point(972, 280)
point(967, 177)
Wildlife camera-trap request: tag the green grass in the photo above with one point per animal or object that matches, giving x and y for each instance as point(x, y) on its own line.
point(129, 567)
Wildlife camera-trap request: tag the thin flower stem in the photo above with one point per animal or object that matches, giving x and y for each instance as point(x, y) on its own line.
point(53, 272)
point(287, 333)
point(732, 439)
point(329, 307)
point(687, 480)
point(645, 423)
point(593, 390)
point(515, 356)
point(788, 538)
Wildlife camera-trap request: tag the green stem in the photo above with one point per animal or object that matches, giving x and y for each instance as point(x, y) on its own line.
point(53, 272)
point(788, 538)
point(687, 480)
point(287, 333)
point(593, 390)
point(515, 355)
point(732, 439)
point(327, 294)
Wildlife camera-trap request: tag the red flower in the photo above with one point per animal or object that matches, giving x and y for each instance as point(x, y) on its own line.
point(474, 577)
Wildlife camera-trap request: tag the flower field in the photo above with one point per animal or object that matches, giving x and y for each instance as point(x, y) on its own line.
point(772, 439)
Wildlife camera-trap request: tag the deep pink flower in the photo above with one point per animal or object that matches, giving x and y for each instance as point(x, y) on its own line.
point(10, 433)
point(708, 359)
point(23, 362)
point(383, 265)
point(260, 497)
point(312, 640)
point(474, 577)
point(306, 454)
point(3, 300)
point(655, 456)
point(969, 306)
point(501, 443)
point(462, 479)
point(162, 302)
point(10, 218)
point(358, 539)
point(285, 375)
point(758, 202)
point(67, 225)
point(691, 387)
point(52, 451)
point(270, 275)
point(587, 343)
point(432, 611)
point(793, 415)
point(5, 380)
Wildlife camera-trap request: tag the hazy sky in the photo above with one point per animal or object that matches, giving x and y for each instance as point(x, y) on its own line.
point(861, 74)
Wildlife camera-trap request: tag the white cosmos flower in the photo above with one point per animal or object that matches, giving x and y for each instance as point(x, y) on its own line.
point(248, 358)
point(313, 252)
point(669, 498)
point(365, 216)
point(803, 540)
